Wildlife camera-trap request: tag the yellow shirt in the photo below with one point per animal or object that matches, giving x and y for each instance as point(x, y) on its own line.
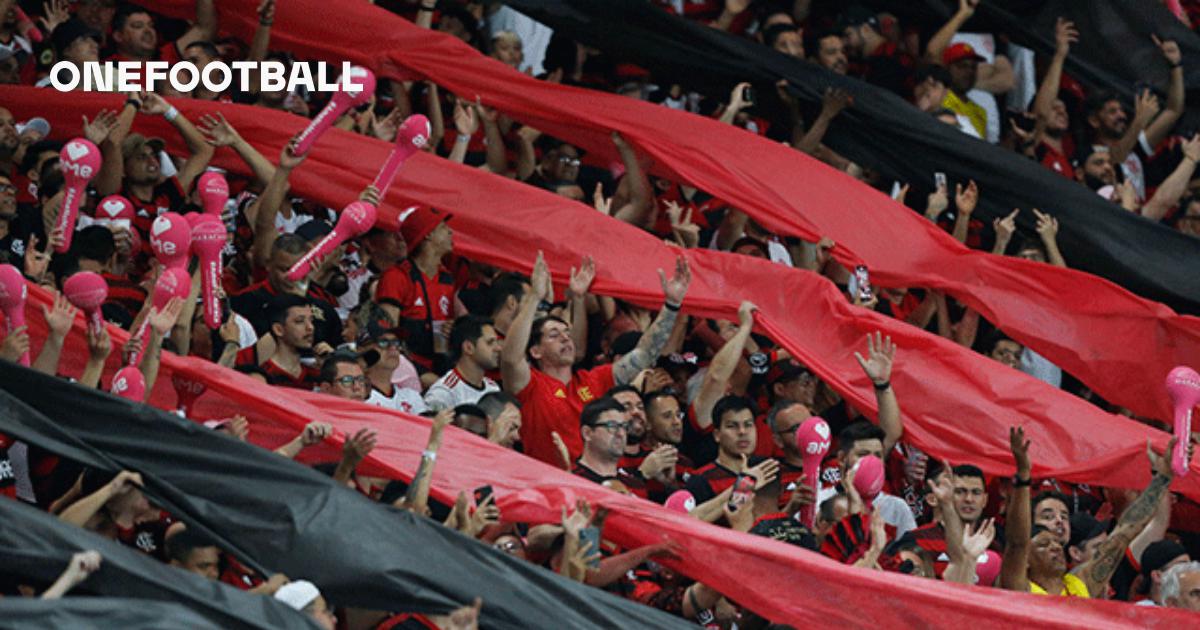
point(966, 107)
point(1072, 587)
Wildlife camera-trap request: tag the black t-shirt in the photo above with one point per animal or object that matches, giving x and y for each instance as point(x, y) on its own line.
point(255, 305)
point(713, 479)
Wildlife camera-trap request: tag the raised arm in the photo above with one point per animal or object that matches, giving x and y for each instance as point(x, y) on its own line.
point(161, 323)
point(1097, 571)
point(1065, 34)
point(832, 104)
point(655, 338)
point(79, 567)
point(639, 211)
point(514, 365)
point(218, 132)
point(267, 206)
point(881, 353)
point(965, 199)
point(466, 123)
point(313, 433)
point(98, 131)
point(577, 292)
point(82, 511)
point(1175, 186)
point(716, 379)
point(1145, 109)
point(736, 104)
point(99, 347)
point(497, 158)
point(417, 497)
point(1161, 127)
point(204, 29)
point(58, 321)
point(941, 39)
point(200, 150)
point(1047, 229)
point(1018, 524)
point(354, 450)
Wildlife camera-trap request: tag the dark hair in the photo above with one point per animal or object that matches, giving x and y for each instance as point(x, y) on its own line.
point(329, 369)
point(493, 403)
point(730, 404)
point(505, 285)
point(1096, 102)
point(124, 12)
point(209, 48)
point(828, 505)
point(968, 470)
point(281, 304)
point(29, 162)
point(857, 432)
point(535, 331)
point(774, 31)
point(812, 40)
point(290, 244)
point(182, 544)
point(94, 242)
point(649, 398)
point(50, 180)
point(593, 410)
point(992, 340)
point(780, 406)
point(1046, 495)
point(617, 389)
point(466, 328)
point(470, 410)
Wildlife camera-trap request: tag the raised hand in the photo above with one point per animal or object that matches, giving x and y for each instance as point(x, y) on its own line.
point(56, 12)
point(82, 565)
point(687, 232)
point(564, 455)
point(99, 344)
point(603, 205)
point(834, 100)
point(965, 199)
point(1146, 107)
point(939, 200)
point(1160, 463)
point(581, 279)
point(162, 321)
point(358, 446)
point(764, 473)
point(60, 318)
point(288, 160)
point(1170, 50)
point(218, 131)
point(736, 103)
point(1047, 226)
point(746, 313)
point(943, 490)
point(153, 104)
point(578, 520)
point(266, 12)
point(540, 280)
point(466, 118)
point(314, 433)
point(1007, 226)
point(881, 352)
point(967, 7)
point(386, 128)
point(1191, 148)
point(976, 543)
point(1065, 34)
point(676, 288)
point(15, 344)
point(98, 130)
point(1020, 451)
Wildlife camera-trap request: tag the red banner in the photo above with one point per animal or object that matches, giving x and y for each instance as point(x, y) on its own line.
point(1118, 344)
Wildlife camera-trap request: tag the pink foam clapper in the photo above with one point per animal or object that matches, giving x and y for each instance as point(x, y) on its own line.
point(13, 293)
point(186, 392)
point(339, 104)
point(987, 568)
point(868, 479)
point(214, 193)
point(128, 383)
point(171, 240)
point(812, 440)
point(87, 291)
point(114, 208)
point(80, 162)
point(1183, 385)
point(173, 282)
point(355, 220)
point(410, 139)
point(208, 241)
point(681, 501)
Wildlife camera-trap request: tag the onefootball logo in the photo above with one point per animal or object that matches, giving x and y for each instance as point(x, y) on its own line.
point(217, 76)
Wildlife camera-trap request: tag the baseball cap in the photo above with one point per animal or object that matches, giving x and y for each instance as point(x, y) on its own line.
point(135, 141)
point(39, 125)
point(376, 329)
point(298, 594)
point(314, 230)
point(958, 52)
point(420, 221)
point(786, 370)
point(1159, 554)
point(1085, 527)
point(66, 33)
point(857, 15)
point(677, 360)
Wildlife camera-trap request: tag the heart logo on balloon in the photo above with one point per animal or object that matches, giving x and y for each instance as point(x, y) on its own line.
point(822, 430)
point(161, 224)
point(113, 208)
point(76, 150)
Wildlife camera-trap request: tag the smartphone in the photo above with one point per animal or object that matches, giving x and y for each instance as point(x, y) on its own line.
point(862, 281)
point(743, 491)
point(896, 187)
point(482, 493)
point(591, 535)
point(939, 180)
point(748, 95)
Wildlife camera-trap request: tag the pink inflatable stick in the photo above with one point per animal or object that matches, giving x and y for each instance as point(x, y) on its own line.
point(186, 393)
point(214, 193)
point(340, 103)
point(173, 282)
point(208, 240)
point(80, 162)
point(87, 291)
point(1183, 385)
point(410, 139)
point(355, 220)
point(13, 293)
point(128, 383)
point(868, 479)
point(171, 239)
point(812, 439)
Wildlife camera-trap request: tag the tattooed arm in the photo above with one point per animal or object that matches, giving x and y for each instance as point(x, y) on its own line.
point(655, 338)
point(1097, 572)
point(417, 497)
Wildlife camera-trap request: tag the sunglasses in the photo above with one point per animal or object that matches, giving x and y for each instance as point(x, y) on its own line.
point(384, 344)
point(570, 161)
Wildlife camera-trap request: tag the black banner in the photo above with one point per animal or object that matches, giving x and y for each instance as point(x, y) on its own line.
point(293, 519)
point(36, 547)
point(80, 613)
point(886, 133)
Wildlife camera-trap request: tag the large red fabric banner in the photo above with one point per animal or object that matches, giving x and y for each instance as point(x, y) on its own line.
point(1118, 344)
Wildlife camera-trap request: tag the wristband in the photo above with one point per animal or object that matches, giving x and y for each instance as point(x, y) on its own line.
point(1021, 483)
point(133, 101)
point(463, 138)
point(262, 23)
point(545, 306)
point(430, 455)
point(1177, 65)
point(427, 9)
point(671, 307)
point(882, 387)
point(171, 114)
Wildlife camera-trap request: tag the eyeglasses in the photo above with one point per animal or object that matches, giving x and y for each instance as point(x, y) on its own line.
point(678, 415)
point(634, 406)
point(509, 546)
point(568, 160)
point(612, 425)
point(384, 344)
point(351, 381)
point(8, 188)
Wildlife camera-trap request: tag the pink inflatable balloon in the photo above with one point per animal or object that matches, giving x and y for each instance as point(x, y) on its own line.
point(87, 291)
point(987, 568)
point(214, 192)
point(356, 219)
point(114, 208)
point(868, 480)
point(410, 139)
point(171, 239)
point(173, 282)
point(340, 103)
point(186, 392)
point(80, 162)
point(1183, 385)
point(208, 240)
point(812, 439)
point(681, 501)
point(13, 293)
point(128, 383)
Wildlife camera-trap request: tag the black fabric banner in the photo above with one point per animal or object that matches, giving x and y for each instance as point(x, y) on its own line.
point(883, 132)
point(36, 546)
point(293, 519)
point(80, 613)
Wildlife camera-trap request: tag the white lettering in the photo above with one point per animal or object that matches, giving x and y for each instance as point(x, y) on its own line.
point(272, 76)
point(98, 77)
point(126, 73)
point(301, 75)
point(226, 77)
point(155, 71)
point(193, 76)
point(56, 79)
point(217, 76)
point(244, 68)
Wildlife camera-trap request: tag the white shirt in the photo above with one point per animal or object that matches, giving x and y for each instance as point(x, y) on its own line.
point(452, 390)
point(402, 399)
point(894, 510)
point(1038, 367)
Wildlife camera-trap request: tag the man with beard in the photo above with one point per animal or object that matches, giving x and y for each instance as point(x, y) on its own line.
point(8, 143)
point(292, 330)
point(136, 39)
point(827, 49)
point(1054, 143)
point(1129, 143)
point(603, 428)
point(254, 302)
point(475, 350)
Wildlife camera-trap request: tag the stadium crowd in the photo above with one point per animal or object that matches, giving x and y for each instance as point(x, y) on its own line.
point(694, 413)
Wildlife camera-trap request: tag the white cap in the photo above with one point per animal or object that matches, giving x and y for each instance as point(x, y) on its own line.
point(298, 594)
point(37, 124)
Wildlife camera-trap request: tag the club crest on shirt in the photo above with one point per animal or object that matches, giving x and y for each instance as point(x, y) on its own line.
point(585, 394)
point(560, 394)
point(145, 542)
